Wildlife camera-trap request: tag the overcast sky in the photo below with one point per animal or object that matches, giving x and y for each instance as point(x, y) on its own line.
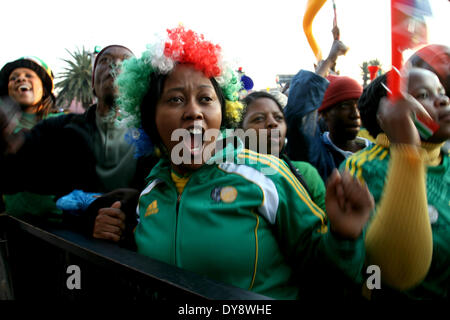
point(263, 37)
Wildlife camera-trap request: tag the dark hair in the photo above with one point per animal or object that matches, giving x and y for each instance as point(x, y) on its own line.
point(151, 98)
point(369, 101)
point(252, 97)
point(47, 105)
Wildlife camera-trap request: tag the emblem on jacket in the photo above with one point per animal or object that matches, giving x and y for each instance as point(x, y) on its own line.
point(152, 208)
point(225, 194)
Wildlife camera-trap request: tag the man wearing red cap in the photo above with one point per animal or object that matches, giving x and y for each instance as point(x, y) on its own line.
point(340, 111)
point(332, 97)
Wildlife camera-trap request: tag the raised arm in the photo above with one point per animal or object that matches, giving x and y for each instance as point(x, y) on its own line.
point(306, 93)
point(338, 48)
point(399, 239)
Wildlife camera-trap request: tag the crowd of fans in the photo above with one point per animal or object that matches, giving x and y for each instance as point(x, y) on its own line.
point(295, 207)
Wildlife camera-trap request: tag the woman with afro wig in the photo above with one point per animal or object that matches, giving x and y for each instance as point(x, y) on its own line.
point(215, 208)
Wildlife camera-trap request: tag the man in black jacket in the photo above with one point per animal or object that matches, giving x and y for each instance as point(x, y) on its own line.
point(86, 152)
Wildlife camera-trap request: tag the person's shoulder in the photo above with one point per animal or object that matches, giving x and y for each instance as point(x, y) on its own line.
point(252, 165)
point(53, 122)
point(310, 174)
point(305, 167)
point(259, 161)
point(368, 164)
point(306, 75)
point(306, 88)
point(372, 152)
point(267, 167)
point(307, 79)
point(307, 170)
point(364, 133)
point(81, 120)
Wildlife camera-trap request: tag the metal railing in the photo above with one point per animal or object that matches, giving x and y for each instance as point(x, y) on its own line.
point(35, 264)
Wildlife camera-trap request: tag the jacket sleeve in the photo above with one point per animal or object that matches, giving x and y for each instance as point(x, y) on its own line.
point(35, 164)
point(304, 137)
point(399, 238)
point(303, 233)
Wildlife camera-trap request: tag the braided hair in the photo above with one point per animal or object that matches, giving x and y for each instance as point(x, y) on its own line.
point(369, 101)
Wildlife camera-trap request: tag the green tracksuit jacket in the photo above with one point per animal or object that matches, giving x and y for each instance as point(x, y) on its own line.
point(246, 222)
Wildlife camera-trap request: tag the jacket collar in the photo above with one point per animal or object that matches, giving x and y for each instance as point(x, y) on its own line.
point(432, 151)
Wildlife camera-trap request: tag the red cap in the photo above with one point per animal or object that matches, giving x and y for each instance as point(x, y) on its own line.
point(341, 88)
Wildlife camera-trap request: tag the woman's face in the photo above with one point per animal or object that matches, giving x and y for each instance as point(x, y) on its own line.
point(264, 113)
point(188, 102)
point(426, 88)
point(25, 87)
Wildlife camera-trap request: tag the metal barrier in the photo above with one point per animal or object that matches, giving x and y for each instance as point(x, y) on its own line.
point(44, 263)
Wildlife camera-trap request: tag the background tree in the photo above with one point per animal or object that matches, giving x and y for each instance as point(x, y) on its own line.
point(365, 71)
point(75, 80)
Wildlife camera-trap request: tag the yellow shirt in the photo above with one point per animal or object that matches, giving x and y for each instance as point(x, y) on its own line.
point(180, 181)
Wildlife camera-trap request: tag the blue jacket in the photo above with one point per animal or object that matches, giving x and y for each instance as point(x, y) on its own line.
point(305, 142)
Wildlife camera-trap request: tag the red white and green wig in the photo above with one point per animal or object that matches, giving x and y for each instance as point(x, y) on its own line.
point(181, 46)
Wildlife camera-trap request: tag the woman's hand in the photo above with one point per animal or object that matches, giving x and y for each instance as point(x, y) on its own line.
point(395, 119)
point(348, 203)
point(9, 115)
point(110, 223)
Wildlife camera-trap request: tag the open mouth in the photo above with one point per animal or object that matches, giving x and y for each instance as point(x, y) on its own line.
point(196, 139)
point(24, 88)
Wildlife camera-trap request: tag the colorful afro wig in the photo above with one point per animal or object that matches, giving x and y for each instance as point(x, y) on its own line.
point(180, 47)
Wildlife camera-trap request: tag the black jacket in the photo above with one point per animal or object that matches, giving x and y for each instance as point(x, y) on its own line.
point(58, 157)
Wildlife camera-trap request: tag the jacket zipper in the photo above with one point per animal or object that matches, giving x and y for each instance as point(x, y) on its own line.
point(177, 214)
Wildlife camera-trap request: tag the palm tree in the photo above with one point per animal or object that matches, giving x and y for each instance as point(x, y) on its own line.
point(75, 83)
point(365, 69)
